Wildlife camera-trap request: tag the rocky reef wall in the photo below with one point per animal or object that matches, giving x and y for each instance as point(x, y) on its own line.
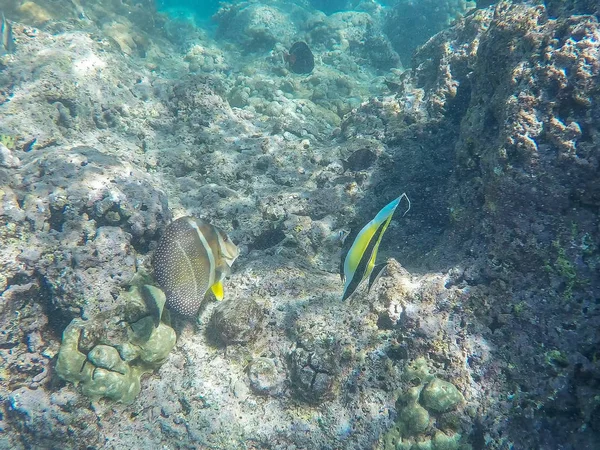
point(501, 111)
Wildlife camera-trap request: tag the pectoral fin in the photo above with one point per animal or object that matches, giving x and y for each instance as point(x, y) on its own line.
point(217, 290)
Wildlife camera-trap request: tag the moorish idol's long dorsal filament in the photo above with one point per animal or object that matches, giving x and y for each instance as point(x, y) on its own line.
point(360, 259)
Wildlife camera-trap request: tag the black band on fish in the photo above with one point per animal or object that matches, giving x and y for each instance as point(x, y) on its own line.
point(358, 264)
point(361, 270)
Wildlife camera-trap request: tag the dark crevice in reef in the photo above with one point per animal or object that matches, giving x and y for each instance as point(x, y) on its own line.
point(268, 239)
point(20, 279)
point(57, 219)
point(457, 107)
point(67, 103)
point(57, 320)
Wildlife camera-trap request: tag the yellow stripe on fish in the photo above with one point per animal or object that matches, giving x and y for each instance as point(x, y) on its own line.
point(359, 262)
point(192, 257)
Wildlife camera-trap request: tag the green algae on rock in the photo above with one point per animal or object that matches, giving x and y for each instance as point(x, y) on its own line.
point(393, 440)
point(112, 368)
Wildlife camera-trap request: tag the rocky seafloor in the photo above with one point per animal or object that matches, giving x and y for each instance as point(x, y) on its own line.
point(484, 330)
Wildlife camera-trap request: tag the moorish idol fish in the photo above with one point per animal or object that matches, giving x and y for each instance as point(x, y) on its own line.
point(192, 257)
point(358, 264)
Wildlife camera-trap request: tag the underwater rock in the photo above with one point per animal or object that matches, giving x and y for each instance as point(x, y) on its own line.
point(129, 40)
point(314, 368)
point(83, 183)
point(7, 158)
point(254, 26)
point(34, 13)
point(88, 214)
point(440, 396)
point(264, 377)
point(236, 321)
point(535, 184)
point(561, 8)
point(208, 59)
point(355, 38)
point(40, 416)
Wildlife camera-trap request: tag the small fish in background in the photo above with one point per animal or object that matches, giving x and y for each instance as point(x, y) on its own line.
point(8, 44)
point(192, 257)
point(358, 265)
point(29, 145)
point(80, 12)
point(300, 59)
point(342, 235)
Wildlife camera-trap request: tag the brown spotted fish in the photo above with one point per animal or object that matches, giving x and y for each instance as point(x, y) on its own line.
point(300, 59)
point(193, 256)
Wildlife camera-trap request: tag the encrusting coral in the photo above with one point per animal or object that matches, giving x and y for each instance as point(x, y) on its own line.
point(114, 365)
point(417, 406)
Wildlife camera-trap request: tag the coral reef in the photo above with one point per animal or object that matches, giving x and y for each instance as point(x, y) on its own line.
point(79, 210)
point(353, 34)
point(314, 367)
point(41, 416)
point(485, 337)
point(119, 350)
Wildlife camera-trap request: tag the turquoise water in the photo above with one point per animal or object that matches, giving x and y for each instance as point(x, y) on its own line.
point(201, 9)
point(204, 9)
